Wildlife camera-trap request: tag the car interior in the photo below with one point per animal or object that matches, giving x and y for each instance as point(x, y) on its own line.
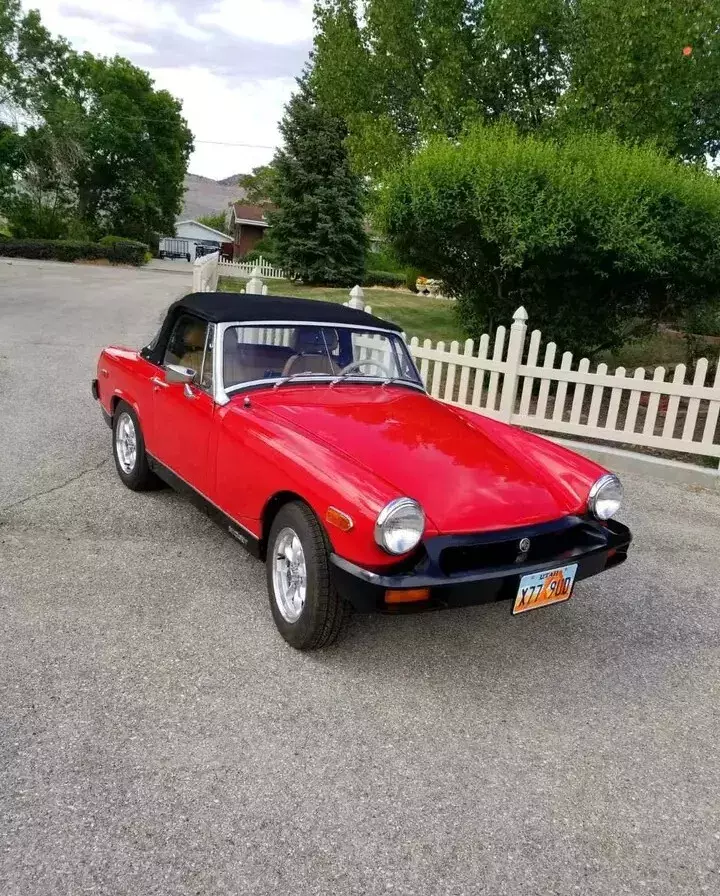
point(245, 362)
point(187, 344)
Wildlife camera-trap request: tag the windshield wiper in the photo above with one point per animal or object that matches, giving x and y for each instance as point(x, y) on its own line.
point(293, 376)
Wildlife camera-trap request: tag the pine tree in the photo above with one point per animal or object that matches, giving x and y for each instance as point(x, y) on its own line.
point(317, 225)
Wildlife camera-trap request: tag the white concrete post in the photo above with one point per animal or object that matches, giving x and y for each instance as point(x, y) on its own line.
point(516, 344)
point(197, 276)
point(357, 298)
point(254, 286)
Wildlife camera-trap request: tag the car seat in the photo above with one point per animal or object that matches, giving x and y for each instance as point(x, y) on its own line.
point(313, 352)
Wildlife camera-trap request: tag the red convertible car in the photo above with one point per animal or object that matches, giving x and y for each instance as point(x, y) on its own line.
point(304, 427)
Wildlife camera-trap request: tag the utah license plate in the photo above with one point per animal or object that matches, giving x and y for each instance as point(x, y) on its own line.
point(540, 589)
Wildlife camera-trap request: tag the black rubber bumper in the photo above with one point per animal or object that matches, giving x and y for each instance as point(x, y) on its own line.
point(365, 589)
point(94, 388)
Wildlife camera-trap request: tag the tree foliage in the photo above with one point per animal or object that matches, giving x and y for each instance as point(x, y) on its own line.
point(402, 72)
point(317, 226)
point(598, 239)
point(258, 185)
point(97, 148)
point(218, 221)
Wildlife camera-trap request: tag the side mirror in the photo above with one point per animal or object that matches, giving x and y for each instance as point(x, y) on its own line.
point(176, 374)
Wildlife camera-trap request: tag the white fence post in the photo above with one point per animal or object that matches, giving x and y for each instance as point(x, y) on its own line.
point(255, 284)
point(516, 344)
point(357, 298)
point(206, 271)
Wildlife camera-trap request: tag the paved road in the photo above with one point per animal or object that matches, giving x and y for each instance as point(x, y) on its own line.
point(158, 737)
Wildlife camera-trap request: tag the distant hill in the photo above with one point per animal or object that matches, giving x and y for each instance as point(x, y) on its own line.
point(204, 196)
point(231, 181)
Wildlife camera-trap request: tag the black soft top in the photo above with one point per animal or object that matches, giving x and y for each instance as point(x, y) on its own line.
point(220, 307)
point(227, 307)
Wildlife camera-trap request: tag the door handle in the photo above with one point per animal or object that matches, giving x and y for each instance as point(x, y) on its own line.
point(156, 381)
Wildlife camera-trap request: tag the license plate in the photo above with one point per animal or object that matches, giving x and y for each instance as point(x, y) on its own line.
point(540, 589)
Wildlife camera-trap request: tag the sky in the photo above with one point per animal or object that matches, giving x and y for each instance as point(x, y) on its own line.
point(232, 63)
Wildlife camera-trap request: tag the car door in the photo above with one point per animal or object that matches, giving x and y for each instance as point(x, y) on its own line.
point(183, 413)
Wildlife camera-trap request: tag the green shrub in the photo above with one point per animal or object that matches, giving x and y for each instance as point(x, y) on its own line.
point(411, 278)
point(264, 248)
point(598, 240)
point(384, 260)
point(382, 278)
point(127, 252)
point(111, 240)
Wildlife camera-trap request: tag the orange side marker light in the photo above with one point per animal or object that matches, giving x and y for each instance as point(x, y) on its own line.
point(340, 520)
point(406, 595)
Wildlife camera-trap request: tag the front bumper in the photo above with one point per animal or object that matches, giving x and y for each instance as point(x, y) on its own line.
point(600, 546)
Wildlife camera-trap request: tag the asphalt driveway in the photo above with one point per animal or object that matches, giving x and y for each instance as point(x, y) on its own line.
point(158, 737)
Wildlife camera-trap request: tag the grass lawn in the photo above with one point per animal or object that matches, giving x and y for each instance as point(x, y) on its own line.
point(419, 316)
point(434, 319)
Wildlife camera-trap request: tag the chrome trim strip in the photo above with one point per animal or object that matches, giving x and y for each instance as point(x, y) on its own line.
point(354, 569)
point(205, 497)
point(306, 323)
point(322, 378)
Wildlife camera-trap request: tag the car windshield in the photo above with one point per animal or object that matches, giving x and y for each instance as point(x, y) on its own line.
point(252, 354)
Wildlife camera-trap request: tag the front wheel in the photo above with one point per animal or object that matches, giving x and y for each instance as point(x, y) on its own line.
point(308, 611)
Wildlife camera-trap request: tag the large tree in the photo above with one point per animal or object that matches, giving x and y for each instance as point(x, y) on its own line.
point(317, 224)
point(598, 239)
point(401, 72)
point(96, 148)
point(136, 149)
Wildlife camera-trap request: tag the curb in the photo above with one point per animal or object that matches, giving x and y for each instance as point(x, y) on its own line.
point(621, 461)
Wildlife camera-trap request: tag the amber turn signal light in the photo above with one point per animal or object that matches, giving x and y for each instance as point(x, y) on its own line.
point(406, 595)
point(340, 520)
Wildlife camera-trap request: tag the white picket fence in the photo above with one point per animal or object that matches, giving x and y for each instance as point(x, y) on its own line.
point(206, 273)
point(240, 269)
point(506, 381)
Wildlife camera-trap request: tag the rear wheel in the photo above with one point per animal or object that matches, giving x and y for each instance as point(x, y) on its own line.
point(129, 450)
point(307, 610)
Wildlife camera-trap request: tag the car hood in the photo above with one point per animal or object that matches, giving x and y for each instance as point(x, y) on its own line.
point(468, 472)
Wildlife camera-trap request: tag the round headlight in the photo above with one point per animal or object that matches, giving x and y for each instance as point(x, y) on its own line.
point(605, 497)
point(400, 526)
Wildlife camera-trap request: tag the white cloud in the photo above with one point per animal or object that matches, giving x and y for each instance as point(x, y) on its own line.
point(232, 63)
point(268, 21)
point(231, 114)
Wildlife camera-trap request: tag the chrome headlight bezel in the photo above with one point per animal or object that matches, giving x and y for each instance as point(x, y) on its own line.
point(390, 512)
point(609, 481)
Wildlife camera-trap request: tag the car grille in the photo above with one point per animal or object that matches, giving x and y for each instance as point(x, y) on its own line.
point(550, 546)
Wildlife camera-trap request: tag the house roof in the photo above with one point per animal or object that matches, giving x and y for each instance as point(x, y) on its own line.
point(226, 238)
point(249, 214)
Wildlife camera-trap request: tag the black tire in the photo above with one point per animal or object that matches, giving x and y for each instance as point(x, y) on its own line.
point(138, 477)
point(324, 612)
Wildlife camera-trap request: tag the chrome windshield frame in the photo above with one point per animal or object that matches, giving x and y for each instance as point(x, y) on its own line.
point(222, 395)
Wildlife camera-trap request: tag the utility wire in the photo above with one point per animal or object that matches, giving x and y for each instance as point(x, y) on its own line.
point(225, 143)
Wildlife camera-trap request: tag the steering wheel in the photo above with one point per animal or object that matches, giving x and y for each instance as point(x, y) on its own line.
point(354, 365)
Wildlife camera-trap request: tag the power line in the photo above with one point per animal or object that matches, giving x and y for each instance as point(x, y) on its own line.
point(245, 145)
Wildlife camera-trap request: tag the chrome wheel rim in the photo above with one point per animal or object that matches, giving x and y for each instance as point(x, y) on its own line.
point(126, 442)
point(289, 574)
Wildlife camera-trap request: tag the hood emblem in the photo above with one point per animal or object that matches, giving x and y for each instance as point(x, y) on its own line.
point(524, 545)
